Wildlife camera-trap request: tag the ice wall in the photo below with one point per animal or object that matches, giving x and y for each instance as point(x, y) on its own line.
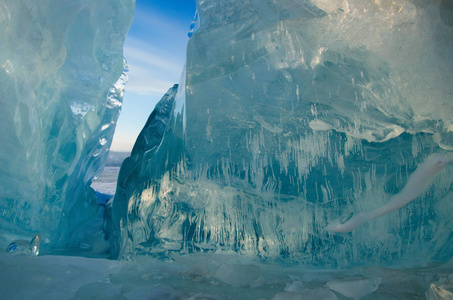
point(294, 114)
point(62, 74)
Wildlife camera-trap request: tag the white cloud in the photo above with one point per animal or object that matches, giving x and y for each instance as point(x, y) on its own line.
point(170, 26)
point(147, 81)
point(150, 69)
point(155, 50)
point(153, 59)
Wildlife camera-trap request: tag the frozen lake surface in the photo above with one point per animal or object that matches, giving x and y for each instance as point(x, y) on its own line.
point(106, 183)
point(209, 276)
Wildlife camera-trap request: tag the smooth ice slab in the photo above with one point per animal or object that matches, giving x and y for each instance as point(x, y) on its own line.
point(355, 289)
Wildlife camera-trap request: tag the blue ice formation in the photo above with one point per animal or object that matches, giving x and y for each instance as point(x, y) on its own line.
point(134, 169)
point(290, 115)
point(62, 75)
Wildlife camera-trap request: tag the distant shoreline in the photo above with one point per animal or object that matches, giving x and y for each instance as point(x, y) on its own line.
point(116, 158)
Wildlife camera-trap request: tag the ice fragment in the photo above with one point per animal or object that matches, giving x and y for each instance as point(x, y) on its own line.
point(354, 288)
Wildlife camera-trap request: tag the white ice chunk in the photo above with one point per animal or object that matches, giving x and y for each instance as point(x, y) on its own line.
point(237, 275)
point(417, 183)
point(354, 288)
point(437, 293)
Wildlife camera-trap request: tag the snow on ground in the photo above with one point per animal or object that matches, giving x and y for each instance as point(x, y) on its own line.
point(209, 276)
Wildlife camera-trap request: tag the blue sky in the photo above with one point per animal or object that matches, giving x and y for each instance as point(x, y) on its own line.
point(155, 50)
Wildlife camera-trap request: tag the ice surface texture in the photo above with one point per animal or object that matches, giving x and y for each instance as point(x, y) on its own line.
point(210, 276)
point(296, 113)
point(62, 75)
point(416, 184)
point(133, 172)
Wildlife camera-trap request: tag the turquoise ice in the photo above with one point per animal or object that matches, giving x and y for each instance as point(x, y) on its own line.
point(62, 78)
point(290, 115)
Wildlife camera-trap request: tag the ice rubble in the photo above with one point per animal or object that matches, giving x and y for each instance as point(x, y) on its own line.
point(292, 114)
point(62, 74)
